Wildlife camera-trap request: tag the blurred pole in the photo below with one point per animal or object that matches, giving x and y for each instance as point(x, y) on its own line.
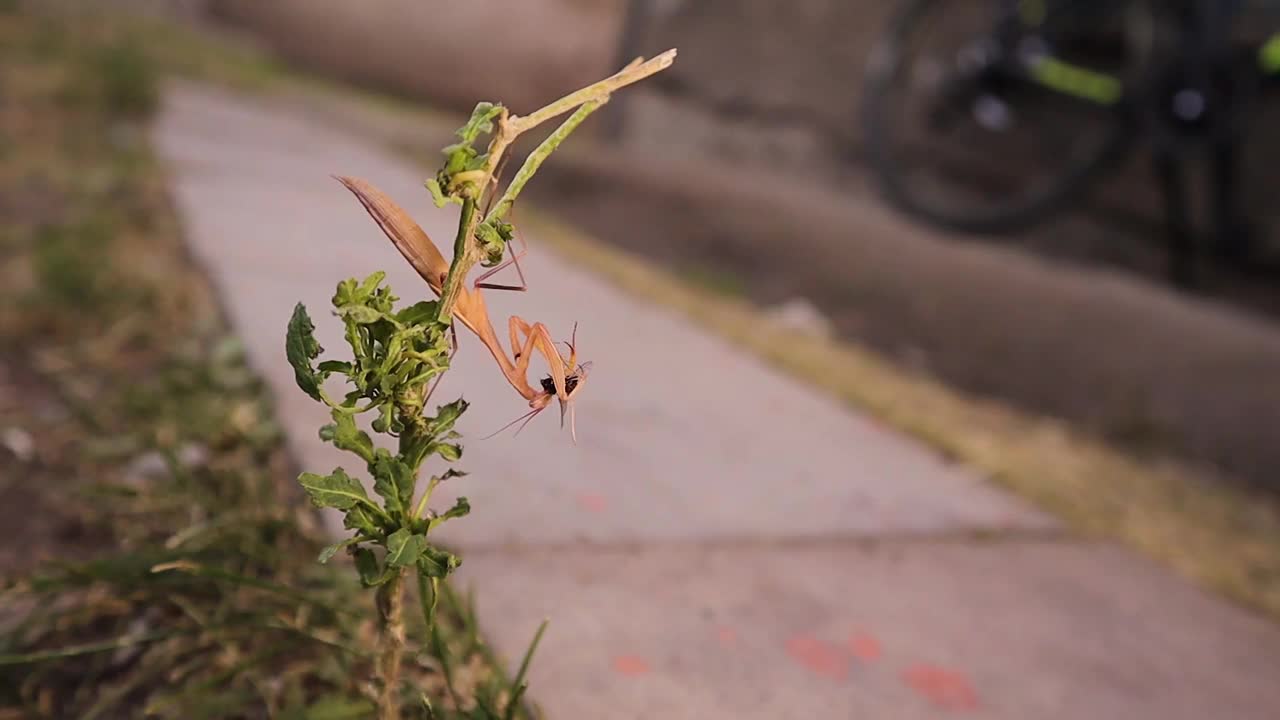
point(1231, 232)
point(634, 24)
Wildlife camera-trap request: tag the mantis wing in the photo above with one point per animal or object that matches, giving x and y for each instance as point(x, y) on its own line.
point(406, 234)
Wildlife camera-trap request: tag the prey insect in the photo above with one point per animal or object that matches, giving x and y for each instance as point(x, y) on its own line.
point(567, 375)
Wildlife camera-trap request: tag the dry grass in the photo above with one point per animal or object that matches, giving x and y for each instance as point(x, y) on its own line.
point(156, 557)
point(1224, 538)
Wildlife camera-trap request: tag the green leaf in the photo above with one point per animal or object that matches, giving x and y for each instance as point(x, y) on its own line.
point(382, 300)
point(447, 416)
point(300, 347)
point(461, 508)
point(448, 451)
point(394, 352)
point(450, 473)
point(360, 314)
point(363, 520)
point(458, 160)
point(438, 195)
point(327, 554)
point(404, 547)
point(367, 565)
point(417, 313)
point(336, 490)
point(436, 563)
point(494, 236)
point(335, 366)
point(346, 435)
point(428, 596)
point(393, 481)
point(370, 285)
point(481, 121)
point(345, 293)
point(519, 682)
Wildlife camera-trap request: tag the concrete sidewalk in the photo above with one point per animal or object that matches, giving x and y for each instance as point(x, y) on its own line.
point(724, 541)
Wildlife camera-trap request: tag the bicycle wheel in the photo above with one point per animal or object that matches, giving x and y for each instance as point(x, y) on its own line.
point(986, 115)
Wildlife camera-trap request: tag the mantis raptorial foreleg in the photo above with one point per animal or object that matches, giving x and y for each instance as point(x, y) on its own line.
point(537, 336)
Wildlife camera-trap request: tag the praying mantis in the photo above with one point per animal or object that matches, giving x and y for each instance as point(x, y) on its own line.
point(567, 375)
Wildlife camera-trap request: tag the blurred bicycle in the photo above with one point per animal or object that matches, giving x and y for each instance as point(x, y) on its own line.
point(988, 116)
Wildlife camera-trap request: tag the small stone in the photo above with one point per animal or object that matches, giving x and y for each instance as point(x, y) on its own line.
point(147, 466)
point(20, 443)
point(192, 455)
point(137, 628)
point(153, 466)
point(800, 315)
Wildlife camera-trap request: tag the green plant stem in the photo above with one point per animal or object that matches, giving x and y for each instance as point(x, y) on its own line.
point(426, 497)
point(538, 156)
point(464, 257)
point(391, 645)
point(428, 598)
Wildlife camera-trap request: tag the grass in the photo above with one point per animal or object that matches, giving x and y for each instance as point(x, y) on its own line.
point(714, 281)
point(1221, 537)
point(158, 558)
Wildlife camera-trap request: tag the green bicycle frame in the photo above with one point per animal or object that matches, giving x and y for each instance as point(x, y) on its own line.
point(1068, 78)
point(1098, 87)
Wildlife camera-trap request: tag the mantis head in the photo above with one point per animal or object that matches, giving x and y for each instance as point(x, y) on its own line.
point(572, 384)
point(574, 378)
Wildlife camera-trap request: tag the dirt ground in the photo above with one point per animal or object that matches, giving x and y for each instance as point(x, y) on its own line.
point(33, 460)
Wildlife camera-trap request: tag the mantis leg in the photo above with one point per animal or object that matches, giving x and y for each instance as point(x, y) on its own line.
point(537, 337)
point(572, 362)
point(515, 260)
point(516, 326)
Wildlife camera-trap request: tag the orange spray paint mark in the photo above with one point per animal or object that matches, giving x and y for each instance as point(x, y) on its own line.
point(728, 636)
point(946, 689)
point(630, 665)
point(820, 657)
point(865, 647)
point(591, 502)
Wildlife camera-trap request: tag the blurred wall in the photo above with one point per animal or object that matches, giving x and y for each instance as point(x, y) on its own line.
point(778, 85)
point(758, 80)
point(524, 52)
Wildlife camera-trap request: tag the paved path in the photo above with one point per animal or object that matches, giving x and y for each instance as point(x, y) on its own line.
point(723, 542)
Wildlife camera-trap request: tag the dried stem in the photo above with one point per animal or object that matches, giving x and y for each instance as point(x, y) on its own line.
point(598, 91)
point(391, 645)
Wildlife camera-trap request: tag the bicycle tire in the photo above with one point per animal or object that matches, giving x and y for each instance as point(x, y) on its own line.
point(885, 63)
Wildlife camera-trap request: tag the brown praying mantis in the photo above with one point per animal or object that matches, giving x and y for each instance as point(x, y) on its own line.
point(567, 376)
point(467, 304)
